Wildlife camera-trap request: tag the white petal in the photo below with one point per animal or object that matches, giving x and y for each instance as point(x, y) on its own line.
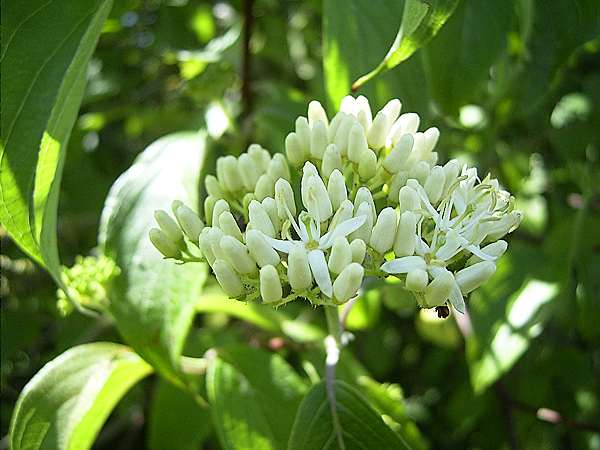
point(318, 267)
point(456, 299)
point(343, 229)
point(302, 232)
point(477, 252)
point(280, 245)
point(404, 264)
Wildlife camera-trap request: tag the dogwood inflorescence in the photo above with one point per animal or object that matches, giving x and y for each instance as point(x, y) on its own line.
point(364, 196)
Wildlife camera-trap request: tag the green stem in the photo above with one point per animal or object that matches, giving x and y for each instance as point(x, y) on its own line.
point(333, 323)
point(333, 345)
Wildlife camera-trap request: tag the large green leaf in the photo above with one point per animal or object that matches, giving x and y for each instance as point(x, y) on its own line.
point(459, 59)
point(421, 20)
point(45, 50)
point(65, 404)
point(356, 34)
point(254, 396)
point(153, 300)
point(361, 426)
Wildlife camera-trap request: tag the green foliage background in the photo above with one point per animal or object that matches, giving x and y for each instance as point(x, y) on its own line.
point(513, 85)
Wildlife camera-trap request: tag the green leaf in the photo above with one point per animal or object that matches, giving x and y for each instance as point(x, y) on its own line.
point(153, 299)
point(65, 404)
point(254, 396)
point(459, 59)
point(189, 426)
point(361, 426)
point(355, 36)
point(421, 21)
point(45, 50)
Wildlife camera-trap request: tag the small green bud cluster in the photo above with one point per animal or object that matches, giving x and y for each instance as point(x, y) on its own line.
point(87, 283)
point(373, 202)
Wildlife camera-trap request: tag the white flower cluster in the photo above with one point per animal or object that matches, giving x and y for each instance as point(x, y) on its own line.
point(370, 201)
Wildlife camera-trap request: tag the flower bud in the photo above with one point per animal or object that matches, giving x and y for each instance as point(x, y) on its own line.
point(416, 280)
point(205, 246)
point(378, 131)
point(404, 244)
point(270, 285)
point(357, 143)
point(231, 174)
point(439, 289)
point(318, 140)
point(341, 255)
point(363, 195)
point(359, 250)
point(265, 187)
point(348, 105)
point(237, 255)
point(470, 278)
point(336, 189)
point(209, 206)
point(399, 154)
point(214, 237)
point(303, 133)
point(347, 284)
point(431, 138)
point(392, 111)
point(260, 156)
point(189, 222)
point(213, 187)
point(227, 278)
point(299, 274)
point(367, 165)
point(364, 115)
point(163, 244)
point(364, 232)
point(495, 249)
point(249, 171)
point(332, 159)
point(343, 213)
point(220, 207)
point(398, 181)
point(343, 133)
point(503, 226)
point(334, 125)
point(409, 199)
point(407, 123)
point(284, 198)
point(314, 194)
point(259, 219)
point(260, 249)
point(420, 172)
point(169, 227)
point(278, 167)
point(316, 113)
point(384, 231)
point(229, 225)
point(434, 185)
point(271, 209)
point(451, 171)
point(293, 150)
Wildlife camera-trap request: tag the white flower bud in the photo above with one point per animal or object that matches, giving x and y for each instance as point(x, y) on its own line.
point(314, 194)
point(237, 255)
point(470, 278)
point(495, 249)
point(384, 231)
point(220, 171)
point(284, 198)
point(392, 111)
point(227, 278)
point(229, 225)
point(265, 187)
point(215, 235)
point(407, 123)
point(278, 167)
point(431, 138)
point(303, 133)
point(378, 131)
point(213, 187)
point(503, 226)
point(220, 207)
point(316, 113)
point(259, 219)
point(347, 284)
point(209, 206)
point(439, 289)
point(336, 189)
point(299, 274)
point(205, 246)
point(334, 125)
point(341, 255)
point(260, 156)
point(364, 115)
point(451, 171)
point(399, 154)
point(420, 172)
point(363, 195)
point(231, 174)
point(249, 171)
point(271, 208)
point(169, 227)
point(357, 143)
point(359, 250)
point(343, 134)
point(189, 222)
point(404, 244)
point(293, 150)
point(260, 249)
point(163, 244)
point(343, 213)
point(367, 165)
point(270, 285)
point(409, 199)
point(318, 140)
point(332, 159)
point(364, 232)
point(398, 181)
point(434, 186)
point(416, 280)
